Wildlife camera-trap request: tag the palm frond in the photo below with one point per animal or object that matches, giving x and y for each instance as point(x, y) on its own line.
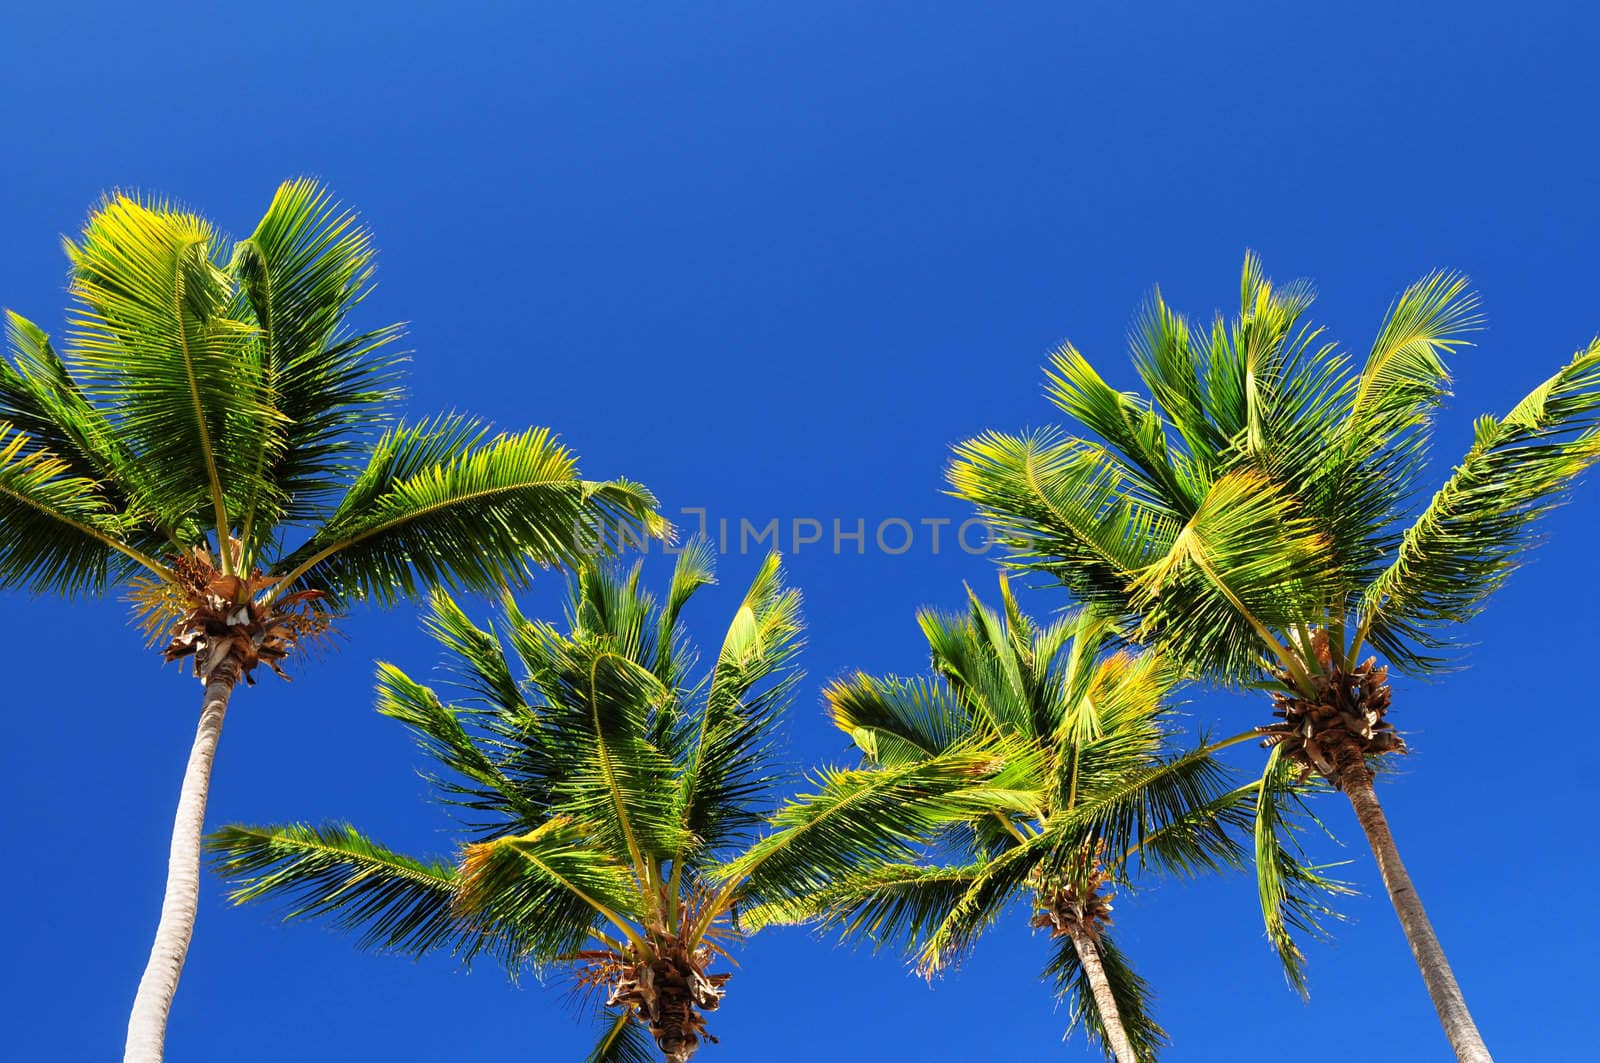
point(394, 902)
point(985, 898)
point(622, 1040)
point(477, 780)
point(153, 343)
point(895, 721)
point(1295, 895)
point(476, 658)
point(1065, 507)
point(1131, 993)
point(855, 818)
point(301, 272)
point(892, 905)
point(1248, 563)
point(61, 536)
point(1472, 534)
point(1128, 798)
point(726, 775)
point(439, 506)
point(1134, 431)
point(1405, 378)
point(552, 883)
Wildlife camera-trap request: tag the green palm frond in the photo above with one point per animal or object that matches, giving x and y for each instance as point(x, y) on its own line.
point(1065, 507)
point(622, 1041)
point(300, 274)
point(477, 660)
point(1405, 378)
point(61, 536)
point(1132, 993)
point(694, 569)
point(1134, 431)
point(896, 721)
point(727, 774)
point(395, 903)
point(1205, 838)
point(597, 705)
point(986, 897)
point(891, 905)
point(152, 340)
point(855, 818)
point(1469, 538)
point(438, 505)
point(1247, 563)
point(1125, 801)
point(39, 398)
point(1294, 895)
point(474, 758)
point(552, 883)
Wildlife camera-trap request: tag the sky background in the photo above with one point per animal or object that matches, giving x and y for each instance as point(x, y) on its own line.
point(773, 260)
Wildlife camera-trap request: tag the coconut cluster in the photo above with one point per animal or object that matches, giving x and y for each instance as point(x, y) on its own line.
point(668, 993)
point(1065, 907)
point(224, 617)
point(1342, 724)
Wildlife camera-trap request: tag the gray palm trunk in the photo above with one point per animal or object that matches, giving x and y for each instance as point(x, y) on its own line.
point(1110, 1018)
point(147, 1025)
point(1436, 974)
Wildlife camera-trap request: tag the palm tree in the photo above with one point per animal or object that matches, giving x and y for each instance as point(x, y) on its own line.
point(1259, 515)
point(603, 791)
point(1094, 792)
point(216, 437)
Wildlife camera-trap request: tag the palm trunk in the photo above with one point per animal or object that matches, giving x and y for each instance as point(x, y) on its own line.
point(1447, 999)
point(1110, 1018)
point(147, 1025)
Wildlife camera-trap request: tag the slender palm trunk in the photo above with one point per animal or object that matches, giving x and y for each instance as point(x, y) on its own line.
point(1458, 1026)
point(1110, 1017)
point(147, 1025)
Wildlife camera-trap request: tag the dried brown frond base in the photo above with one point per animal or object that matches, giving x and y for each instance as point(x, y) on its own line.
point(219, 617)
point(1066, 908)
point(1335, 732)
point(666, 993)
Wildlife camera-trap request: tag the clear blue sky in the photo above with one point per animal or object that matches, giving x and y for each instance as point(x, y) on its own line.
point(773, 260)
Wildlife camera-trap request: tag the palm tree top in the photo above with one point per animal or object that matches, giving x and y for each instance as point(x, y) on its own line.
point(213, 408)
point(1082, 787)
point(606, 785)
point(1267, 484)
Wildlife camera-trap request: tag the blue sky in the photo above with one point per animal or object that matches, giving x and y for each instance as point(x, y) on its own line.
point(772, 260)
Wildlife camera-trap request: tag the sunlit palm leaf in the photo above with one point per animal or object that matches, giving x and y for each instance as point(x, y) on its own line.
point(438, 506)
point(61, 536)
point(1469, 538)
point(153, 342)
point(395, 903)
point(301, 272)
point(623, 1040)
point(1294, 894)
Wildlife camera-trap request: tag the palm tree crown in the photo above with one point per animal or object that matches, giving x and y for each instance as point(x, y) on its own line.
point(606, 790)
point(1089, 790)
point(1267, 487)
point(215, 432)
